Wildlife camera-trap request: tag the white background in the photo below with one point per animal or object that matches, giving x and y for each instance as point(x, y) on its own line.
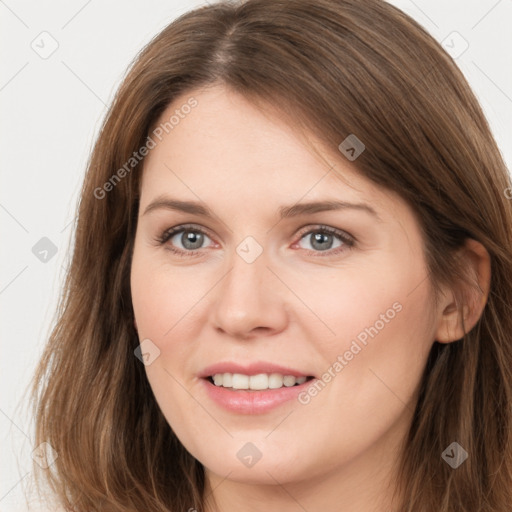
point(51, 111)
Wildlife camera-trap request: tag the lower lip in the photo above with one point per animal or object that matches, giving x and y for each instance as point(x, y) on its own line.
point(252, 402)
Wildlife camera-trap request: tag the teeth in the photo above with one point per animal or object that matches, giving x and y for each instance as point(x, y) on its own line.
point(256, 382)
point(227, 380)
point(239, 381)
point(275, 381)
point(289, 381)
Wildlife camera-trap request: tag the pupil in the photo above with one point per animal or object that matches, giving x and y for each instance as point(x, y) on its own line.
point(321, 237)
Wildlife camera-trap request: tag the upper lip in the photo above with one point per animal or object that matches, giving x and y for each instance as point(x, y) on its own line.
point(254, 368)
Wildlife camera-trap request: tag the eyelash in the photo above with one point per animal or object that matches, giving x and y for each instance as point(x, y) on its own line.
point(348, 240)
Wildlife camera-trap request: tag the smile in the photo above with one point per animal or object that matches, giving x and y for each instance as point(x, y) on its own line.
point(250, 400)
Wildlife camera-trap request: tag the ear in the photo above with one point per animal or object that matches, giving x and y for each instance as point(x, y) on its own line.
point(458, 317)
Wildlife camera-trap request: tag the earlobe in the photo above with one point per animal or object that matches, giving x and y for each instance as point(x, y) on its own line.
point(459, 317)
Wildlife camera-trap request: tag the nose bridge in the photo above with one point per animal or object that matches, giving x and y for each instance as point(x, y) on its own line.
point(247, 297)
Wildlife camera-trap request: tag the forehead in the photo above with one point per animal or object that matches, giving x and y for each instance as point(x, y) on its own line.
point(226, 147)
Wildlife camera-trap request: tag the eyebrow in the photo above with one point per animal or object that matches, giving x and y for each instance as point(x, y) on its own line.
point(196, 208)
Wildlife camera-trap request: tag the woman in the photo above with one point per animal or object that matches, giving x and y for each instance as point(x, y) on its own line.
point(337, 334)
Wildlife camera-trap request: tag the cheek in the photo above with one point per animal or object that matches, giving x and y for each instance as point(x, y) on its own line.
point(159, 302)
point(381, 330)
point(162, 296)
point(365, 303)
point(162, 301)
point(381, 351)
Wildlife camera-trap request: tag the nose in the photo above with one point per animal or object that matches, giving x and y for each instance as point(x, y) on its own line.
point(249, 300)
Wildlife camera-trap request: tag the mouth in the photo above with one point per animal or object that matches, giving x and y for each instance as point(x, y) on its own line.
point(254, 394)
point(259, 382)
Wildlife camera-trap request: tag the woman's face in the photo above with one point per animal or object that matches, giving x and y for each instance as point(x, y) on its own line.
point(256, 287)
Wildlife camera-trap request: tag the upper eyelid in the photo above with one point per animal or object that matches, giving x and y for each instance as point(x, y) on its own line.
point(329, 229)
point(186, 227)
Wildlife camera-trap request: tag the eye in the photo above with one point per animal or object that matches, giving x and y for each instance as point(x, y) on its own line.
point(326, 239)
point(191, 239)
point(322, 239)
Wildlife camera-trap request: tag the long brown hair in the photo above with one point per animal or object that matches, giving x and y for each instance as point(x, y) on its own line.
point(336, 67)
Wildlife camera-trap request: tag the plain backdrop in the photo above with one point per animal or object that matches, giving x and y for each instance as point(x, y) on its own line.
point(61, 64)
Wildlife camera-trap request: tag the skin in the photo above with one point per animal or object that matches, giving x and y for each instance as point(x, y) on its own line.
point(295, 305)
